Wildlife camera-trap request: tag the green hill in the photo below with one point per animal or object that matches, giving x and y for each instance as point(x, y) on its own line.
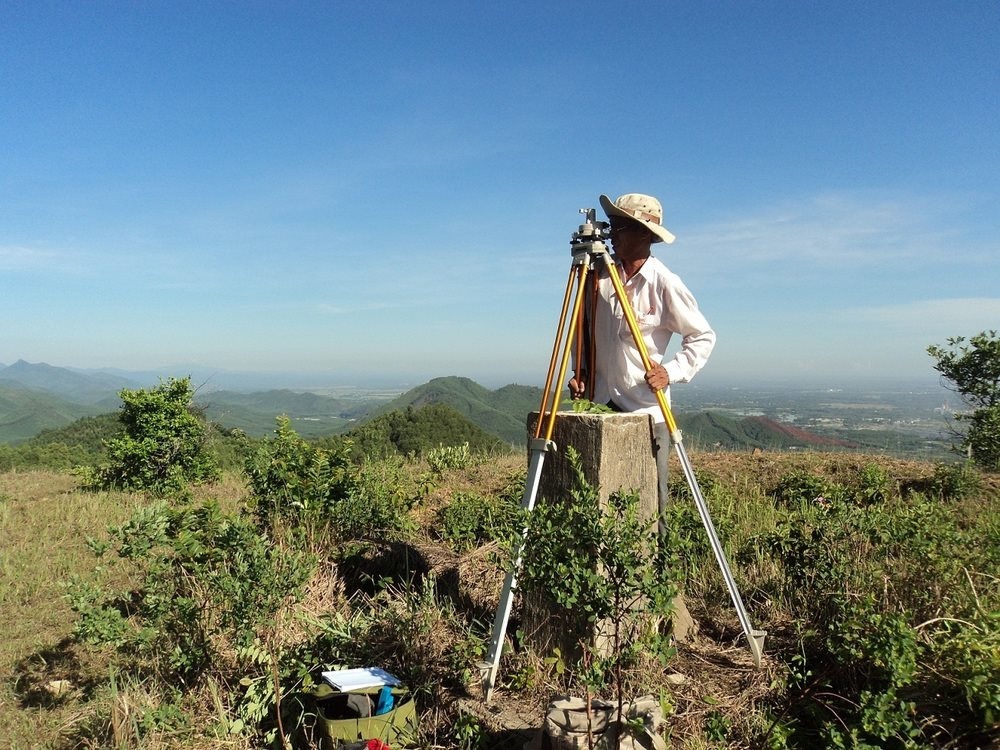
point(24, 413)
point(417, 429)
point(500, 414)
point(81, 388)
point(88, 433)
point(503, 412)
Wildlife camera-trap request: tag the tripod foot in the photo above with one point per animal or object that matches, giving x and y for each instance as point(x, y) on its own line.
point(487, 676)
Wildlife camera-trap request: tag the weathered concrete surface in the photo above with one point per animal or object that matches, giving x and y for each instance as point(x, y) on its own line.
point(616, 454)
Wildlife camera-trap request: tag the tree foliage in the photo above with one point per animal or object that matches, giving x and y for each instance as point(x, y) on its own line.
point(416, 430)
point(162, 446)
point(973, 369)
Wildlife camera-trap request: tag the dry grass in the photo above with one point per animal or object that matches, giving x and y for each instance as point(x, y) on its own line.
point(44, 524)
point(51, 687)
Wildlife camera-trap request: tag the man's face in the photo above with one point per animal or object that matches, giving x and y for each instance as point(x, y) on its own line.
point(630, 239)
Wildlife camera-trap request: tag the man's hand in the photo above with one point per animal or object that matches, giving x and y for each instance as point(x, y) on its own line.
point(657, 378)
point(577, 388)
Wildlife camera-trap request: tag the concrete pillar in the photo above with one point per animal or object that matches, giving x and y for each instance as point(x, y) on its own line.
point(616, 454)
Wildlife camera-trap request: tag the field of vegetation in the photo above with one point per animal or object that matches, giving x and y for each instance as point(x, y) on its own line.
point(188, 588)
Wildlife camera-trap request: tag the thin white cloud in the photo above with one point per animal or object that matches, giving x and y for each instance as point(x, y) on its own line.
point(834, 229)
point(964, 316)
point(22, 258)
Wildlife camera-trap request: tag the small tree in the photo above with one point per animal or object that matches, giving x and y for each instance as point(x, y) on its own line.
point(163, 445)
point(601, 571)
point(973, 368)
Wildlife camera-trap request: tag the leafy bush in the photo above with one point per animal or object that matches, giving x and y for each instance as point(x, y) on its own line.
point(162, 447)
point(470, 519)
point(207, 582)
point(316, 491)
point(798, 487)
point(956, 481)
point(874, 485)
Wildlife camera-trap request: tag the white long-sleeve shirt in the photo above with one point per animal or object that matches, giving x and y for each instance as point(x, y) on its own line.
point(663, 307)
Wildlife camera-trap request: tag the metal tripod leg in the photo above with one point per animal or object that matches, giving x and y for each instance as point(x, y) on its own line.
point(755, 638)
point(540, 445)
point(488, 669)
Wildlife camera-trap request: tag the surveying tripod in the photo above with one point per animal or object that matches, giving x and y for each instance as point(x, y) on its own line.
point(588, 248)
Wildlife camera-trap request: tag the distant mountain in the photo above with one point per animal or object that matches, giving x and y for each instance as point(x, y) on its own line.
point(24, 412)
point(93, 389)
point(710, 430)
point(36, 397)
point(503, 412)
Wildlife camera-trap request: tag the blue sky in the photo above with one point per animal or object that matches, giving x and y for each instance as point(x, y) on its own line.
point(386, 190)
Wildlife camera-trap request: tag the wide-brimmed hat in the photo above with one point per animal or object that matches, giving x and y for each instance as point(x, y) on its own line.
point(644, 209)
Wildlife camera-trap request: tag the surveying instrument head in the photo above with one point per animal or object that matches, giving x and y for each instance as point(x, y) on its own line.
point(590, 238)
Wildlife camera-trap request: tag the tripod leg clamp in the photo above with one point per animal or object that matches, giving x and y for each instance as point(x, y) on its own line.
point(543, 445)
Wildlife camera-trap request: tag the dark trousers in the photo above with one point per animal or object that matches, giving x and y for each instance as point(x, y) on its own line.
point(661, 450)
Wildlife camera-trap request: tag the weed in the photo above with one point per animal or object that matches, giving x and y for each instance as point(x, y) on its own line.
point(467, 732)
point(470, 519)
point(446, 457)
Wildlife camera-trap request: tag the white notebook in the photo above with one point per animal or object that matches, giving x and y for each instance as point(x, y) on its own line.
point(347, 680)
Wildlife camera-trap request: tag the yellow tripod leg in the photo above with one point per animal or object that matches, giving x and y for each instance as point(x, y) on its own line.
point(567, 296)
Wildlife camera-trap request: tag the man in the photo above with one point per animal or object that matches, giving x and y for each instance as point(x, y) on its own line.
point(663, 306)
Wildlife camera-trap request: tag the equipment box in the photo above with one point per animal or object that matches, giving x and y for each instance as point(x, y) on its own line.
point(344, 718)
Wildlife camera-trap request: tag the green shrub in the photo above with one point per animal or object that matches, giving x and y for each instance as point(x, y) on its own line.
point(875, 485)
point(470, 519)
point(798, 487)
point(207, 581)
point(446, 457)
point(162, 447)
point(956, 481)
point(318, 492)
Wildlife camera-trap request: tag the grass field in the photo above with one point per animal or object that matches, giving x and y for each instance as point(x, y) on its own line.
point(57, 693)
point(44, 526)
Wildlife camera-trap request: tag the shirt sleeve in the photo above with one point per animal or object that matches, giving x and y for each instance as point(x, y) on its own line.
point(697, 336)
